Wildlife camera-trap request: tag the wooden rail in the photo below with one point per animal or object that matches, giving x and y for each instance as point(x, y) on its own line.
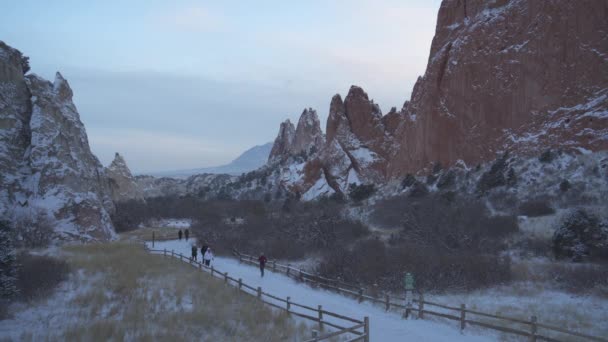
point(316, 315)
point(530, 327)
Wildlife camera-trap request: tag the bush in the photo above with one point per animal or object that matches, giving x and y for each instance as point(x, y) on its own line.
point(37, 276)
point(581, 235)
point(579, 278)
point(564, 185)
point(361, 192)
point(418, 189)
point(408, 181)
point(35, 231)
point(547, 156)
point(447, 179)
point(8, 263)
point(495, 176)
point(536, 208)
point(370, 262)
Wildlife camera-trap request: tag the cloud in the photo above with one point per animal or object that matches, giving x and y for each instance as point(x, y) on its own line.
point(191, 19)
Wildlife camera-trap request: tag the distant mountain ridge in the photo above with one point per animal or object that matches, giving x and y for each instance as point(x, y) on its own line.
point(249, 160)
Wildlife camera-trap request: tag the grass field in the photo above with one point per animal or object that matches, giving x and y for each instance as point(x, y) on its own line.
point(120, 292)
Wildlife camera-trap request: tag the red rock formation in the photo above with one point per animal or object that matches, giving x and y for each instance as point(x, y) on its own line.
point(498, 71)
point(517, 75)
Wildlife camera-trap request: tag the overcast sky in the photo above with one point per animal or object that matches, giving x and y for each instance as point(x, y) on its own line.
point(186, 84)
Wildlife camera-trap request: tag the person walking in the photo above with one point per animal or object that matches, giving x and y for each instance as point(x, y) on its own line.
point(179, 234)
point(208, 256)
point(187, 233)
point(194, 253)
point(262, 259)
point(203, 250)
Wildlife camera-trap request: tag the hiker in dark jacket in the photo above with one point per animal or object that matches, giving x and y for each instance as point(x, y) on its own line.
point(179, 234)
point(262, 260)
point(187, 233)
point(203, 250)
point(194, 252)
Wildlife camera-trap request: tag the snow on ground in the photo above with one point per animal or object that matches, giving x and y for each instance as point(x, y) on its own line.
point(384, 326)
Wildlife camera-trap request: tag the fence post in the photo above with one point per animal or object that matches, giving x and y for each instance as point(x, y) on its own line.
point(200, 265)
point(288, 268)
point(153, 238)
point(274, 265)
point(240, 283)
point(421, 306)
point(288, 304)
point(320, 311)
point(408, 309)
point(226, 277)
point(360, 295)
point(462, 316)
point(388, 302)
point(366, 329)
point(172, 253)
point(533, 329)
point(301, 276)
point(259, 293)
point(212, 270)
point(165, 252)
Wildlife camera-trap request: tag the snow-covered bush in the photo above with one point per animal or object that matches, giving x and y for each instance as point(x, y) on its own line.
point(360, 192)
point(581, 235)
point(34, 230)
point(495, 176)
point(8, 263)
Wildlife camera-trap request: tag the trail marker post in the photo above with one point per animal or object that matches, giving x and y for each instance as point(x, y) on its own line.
point(408, 284)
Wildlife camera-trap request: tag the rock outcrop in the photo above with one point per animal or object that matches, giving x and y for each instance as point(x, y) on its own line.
point(122, 182)
point(308, 135)
point(283, 142)
point(46, 164)
point(505, 75)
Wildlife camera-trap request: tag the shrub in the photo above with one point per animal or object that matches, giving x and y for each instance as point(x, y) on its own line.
point(495, 176)
point(8, 263)
point(579, 236)
point(361, 192)
point(408, 181)
point(447, 179)
point(564, 185)
point(37, 276)
point(418, 189)
point(547, 156)
point(536, 208)
point(35, 231)
point(579, 278)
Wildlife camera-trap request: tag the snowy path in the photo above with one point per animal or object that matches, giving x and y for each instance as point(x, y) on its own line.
point(384, 326)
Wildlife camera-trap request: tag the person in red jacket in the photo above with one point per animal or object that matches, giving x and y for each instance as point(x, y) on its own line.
point(262, 260)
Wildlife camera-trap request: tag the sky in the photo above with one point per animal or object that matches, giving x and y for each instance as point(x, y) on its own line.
point(185, 84)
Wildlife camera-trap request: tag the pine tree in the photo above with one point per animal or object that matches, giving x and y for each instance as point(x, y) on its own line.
point(8, 263)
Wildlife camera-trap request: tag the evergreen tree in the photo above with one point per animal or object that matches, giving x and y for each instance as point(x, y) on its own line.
point(8, 262)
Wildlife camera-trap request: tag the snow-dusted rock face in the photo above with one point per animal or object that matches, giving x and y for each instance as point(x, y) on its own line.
point(46, 164)
point(508, 74)
point(122, 182)
point(202, 185)
point(283, 142)
point(308, 135)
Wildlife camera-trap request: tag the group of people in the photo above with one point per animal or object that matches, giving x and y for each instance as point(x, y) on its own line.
point(206, 254)
point(185, 234)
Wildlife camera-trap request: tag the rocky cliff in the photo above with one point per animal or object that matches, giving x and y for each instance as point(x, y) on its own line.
point(46, 164)
point(122, 182)
point(503, 75)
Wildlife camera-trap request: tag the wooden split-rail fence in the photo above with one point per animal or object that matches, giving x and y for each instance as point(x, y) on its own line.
point(360, 329)
point(530, 329)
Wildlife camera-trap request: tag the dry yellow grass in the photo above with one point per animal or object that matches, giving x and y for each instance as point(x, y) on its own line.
point(133, 295)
